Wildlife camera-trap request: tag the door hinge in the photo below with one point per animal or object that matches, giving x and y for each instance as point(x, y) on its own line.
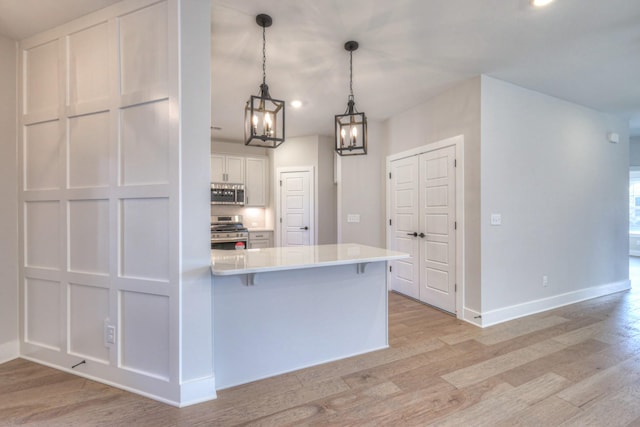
point(280, 183)
point(455, 163)
point(390, 269)
point(389, 222)
point(455, 287)
point(280, 220)
point(455, 225)
point(389, 175)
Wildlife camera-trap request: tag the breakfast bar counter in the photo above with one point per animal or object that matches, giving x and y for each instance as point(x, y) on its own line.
point(276, 310)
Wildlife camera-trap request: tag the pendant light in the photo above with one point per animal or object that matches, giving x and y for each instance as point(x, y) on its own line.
point(263, 115)
point(351, 127)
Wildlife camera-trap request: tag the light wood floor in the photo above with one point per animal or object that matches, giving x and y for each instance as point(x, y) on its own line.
point(575, 366)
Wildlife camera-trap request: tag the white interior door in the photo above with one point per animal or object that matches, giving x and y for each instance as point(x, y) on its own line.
point(404, 225)
point(296, 225)
point(437, 223)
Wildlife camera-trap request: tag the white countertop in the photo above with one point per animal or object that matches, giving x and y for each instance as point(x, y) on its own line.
point(225, 263)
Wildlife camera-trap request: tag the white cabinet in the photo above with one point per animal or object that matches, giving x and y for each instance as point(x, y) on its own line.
point(260, 239)
point(256, 181)
point(227, 169)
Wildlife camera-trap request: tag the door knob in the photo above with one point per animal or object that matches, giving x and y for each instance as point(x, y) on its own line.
point(304, 228)
point(414, 234)
point(421, 235)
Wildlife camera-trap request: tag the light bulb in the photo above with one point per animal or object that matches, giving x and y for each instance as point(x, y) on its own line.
point(268, 124)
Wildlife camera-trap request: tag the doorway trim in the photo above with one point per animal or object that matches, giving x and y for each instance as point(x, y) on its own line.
point(312, 201)
point(458, 143)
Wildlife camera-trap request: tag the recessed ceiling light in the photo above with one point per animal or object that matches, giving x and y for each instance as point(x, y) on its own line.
point(540, 3)
point(296, 103)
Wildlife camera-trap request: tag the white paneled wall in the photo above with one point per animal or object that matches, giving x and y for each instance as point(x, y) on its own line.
point(9, 344)
point(100, 217)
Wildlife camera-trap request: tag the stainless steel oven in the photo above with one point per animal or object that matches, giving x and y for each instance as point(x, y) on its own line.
point(227, 194)
point(227, 232)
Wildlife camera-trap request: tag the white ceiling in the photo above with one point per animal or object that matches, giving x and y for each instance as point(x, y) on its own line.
point(584, 51)
point(24, 18)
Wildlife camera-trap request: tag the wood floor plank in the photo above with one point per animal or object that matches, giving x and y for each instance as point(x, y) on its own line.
point(359, 363)
point(262, 406)
point(489, 412)
point(274, 385)
point(603, 382)
point(549, 412)
point(616, 409)
point(398, 367)
point(497, 365)
point(558, 362)
point(522, 328)
point(412, 408)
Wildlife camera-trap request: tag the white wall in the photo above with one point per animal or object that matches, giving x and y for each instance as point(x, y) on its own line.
point(634, 151)
point(361, 191)
point(299, 151)
point(327, 193)
point(311, 151)
point(562, 190)
point(453, 112)
point(224, 147)
point(196, 379)
point(9, 348)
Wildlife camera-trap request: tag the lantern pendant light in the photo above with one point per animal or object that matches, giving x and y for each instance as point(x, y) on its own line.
point(351, 127)
point(263, 115)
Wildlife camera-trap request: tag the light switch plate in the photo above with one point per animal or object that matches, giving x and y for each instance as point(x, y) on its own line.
point(496, 219)
point(353, 218)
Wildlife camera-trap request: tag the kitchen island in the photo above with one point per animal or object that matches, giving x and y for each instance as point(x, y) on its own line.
point(276, 310)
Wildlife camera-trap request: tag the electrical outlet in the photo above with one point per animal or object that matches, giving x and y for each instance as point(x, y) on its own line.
point(109, 333)
point(545, 281)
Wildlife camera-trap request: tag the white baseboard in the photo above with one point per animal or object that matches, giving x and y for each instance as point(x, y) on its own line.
point(472, 316)
point(504, 314)
point(192, 392)
point(9, 351)
point(197, 391)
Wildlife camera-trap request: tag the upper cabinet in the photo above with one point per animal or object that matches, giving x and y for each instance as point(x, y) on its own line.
point(256, 181)
point(227, 169)
point(253, 172)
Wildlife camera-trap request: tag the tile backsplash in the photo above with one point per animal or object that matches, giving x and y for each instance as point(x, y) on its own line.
point(251, 217)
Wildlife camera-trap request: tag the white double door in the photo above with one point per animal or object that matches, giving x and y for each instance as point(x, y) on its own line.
point(423, 224)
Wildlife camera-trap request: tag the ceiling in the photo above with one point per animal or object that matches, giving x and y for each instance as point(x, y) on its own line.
point(24, 18)
point(584, 51)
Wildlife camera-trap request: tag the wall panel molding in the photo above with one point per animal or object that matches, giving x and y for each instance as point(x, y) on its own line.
point(100, 198)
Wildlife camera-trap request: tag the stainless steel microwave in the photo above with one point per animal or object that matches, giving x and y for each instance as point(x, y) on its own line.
point(227, 194)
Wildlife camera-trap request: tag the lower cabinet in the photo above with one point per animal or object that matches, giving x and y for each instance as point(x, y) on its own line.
point(260, 239)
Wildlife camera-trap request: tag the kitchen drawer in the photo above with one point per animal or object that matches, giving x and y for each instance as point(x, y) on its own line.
point(261, 234)
point(260, 239)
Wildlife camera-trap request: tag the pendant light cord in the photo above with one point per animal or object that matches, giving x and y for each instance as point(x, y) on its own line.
point(264, 56)
point(351, 73)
